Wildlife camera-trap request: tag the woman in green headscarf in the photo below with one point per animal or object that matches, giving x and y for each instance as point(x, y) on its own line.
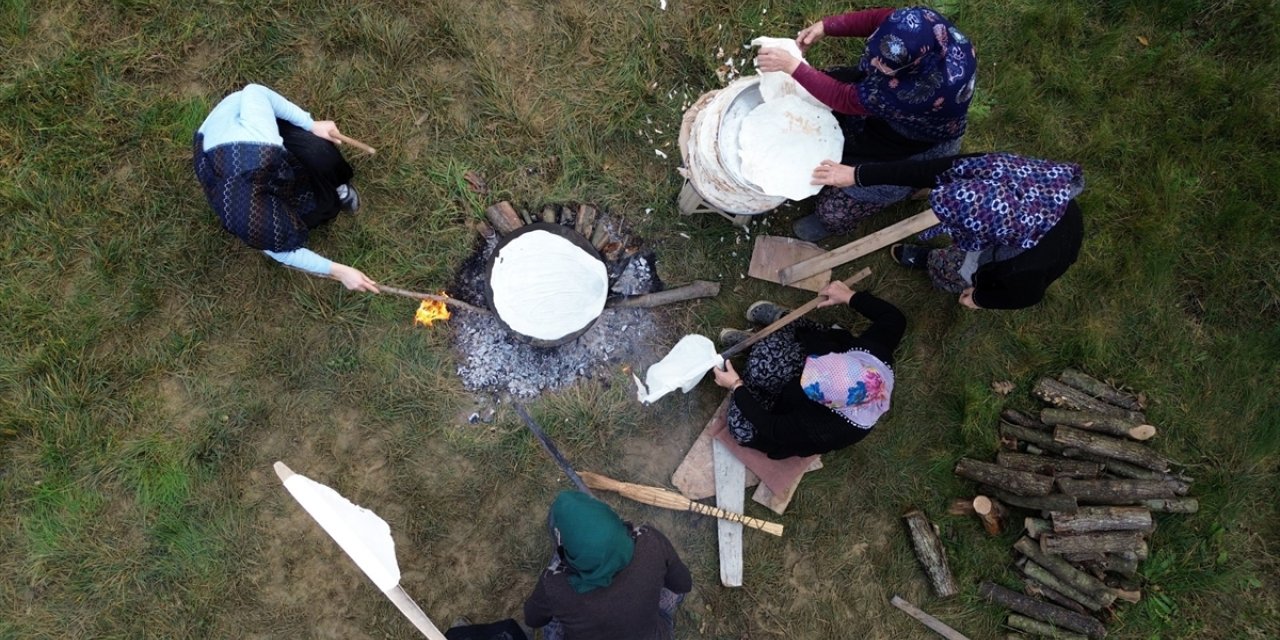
point(608, 579)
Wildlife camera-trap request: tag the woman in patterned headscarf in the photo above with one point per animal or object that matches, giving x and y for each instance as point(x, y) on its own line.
point(272, 174)
point(809, 389)
point(907, 99)
point(1014, 223)
point(607, 578)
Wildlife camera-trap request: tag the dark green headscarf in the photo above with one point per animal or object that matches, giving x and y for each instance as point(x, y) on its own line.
point(597, 544)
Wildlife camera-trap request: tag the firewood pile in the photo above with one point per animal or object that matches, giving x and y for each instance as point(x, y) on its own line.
point(1083, 471)
point(606, 235)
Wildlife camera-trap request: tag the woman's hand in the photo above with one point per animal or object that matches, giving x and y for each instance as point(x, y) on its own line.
point(773, 59)
point(836, 293)
point(966, 299)
point(834, 174)
point(326, 129)
point(352, 279)
point(727, 377)
point(810, 34)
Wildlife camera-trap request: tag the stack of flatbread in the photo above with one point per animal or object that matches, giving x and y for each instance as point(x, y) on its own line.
point(753, 145)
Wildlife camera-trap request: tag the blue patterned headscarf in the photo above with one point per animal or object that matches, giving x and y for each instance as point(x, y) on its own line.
point(1000, 199)
point(920, 73)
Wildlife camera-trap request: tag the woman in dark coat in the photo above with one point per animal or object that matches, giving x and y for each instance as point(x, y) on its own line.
point(1014, 223)
point(809, 389)
point(908, 98)
point(607, 579)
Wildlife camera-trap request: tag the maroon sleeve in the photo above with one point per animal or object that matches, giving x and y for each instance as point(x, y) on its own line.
point(855, 24)
point(838, 96)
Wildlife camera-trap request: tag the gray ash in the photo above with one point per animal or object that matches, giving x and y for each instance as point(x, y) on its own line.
point(491, 359)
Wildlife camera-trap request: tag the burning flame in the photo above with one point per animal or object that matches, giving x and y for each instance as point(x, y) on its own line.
point(430, 311)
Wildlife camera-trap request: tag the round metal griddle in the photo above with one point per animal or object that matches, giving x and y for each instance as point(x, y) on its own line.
point(550, 227)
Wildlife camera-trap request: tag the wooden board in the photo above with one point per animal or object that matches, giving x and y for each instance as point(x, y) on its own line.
point(773, 253)
point(858, 248)
point(777, 502)
point(731, 476)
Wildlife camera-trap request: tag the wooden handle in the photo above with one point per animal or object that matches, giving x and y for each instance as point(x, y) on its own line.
point(927, 620)
point(858, 248)
point(659, 497)
point(453, 302)
point(789, 318)
point(355, 143)
point(414, 613)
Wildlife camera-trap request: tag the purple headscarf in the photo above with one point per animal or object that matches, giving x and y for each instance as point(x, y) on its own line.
point(1000, 199)
point(920, 72)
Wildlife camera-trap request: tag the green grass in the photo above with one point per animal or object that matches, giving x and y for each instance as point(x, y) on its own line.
point(152, 368)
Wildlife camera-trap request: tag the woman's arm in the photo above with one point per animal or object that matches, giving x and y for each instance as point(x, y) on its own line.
point(537, 609)
point(838, 96)
point(888, 324)
point(312, 262)
point(259, 105)
point(855, 24)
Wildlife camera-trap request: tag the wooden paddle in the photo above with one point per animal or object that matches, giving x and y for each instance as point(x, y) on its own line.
point(858, 248)
point(789, 318)
point(659, 497)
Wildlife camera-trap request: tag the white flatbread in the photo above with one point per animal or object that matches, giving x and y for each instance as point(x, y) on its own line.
point(706, 165)
point(682, 368)
point(779, 84)
point(783, 140)
point(545, 287)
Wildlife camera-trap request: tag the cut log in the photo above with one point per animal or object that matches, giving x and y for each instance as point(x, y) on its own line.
point(1045, 577)
point(929, 550)
point(1086, 519)
point(1041, 629)
point(1037, 589)
point(1036, 526)
point(503, 217)
point(1095, 542)
point(692, 291)
point(548, 214)
point(526, 216)
point(991, 513)
point(1120, 491)
point(1042, 611)
point(600, 234)
point(1100, 422)
point(1122, 450)
point(1065, 572)
point(1117, 467)
point(1100, 390)
point(567, 216)
point(927, 620)
point(1051, 502)
point(1017, 482)
point(961, 507)
point(1042, 439)
point(1064, 397)
point(1013, 416)
point(1172, 505)
point(585, 224)
point(1057, 467)
point(1121, 564)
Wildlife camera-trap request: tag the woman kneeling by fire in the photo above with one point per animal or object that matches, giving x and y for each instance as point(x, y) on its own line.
point(809, 389)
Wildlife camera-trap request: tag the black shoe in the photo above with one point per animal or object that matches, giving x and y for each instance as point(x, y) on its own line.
point(764, 313)
point(731, 337)
point(350, 202)
point(910, 256)
point(810, 228)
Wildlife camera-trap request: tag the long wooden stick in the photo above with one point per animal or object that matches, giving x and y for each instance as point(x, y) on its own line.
point(858, 248)
point(789, 318)
point(453, 302)
point(927, 620)
point(692, 291)
point(551, 449)
point(414, 613)
point(355, 143)
point(659, 497)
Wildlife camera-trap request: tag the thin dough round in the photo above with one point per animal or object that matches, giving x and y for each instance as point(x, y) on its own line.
point(783, 140)
point(545, 287)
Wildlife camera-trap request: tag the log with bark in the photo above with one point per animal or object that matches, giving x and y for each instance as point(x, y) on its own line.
point(1042, 611)
point(1100, 422)
point(1042, 439)
point(1051, 502)
point(1041, 629)
point(1121, 564)
point(1036, 526)
point(991, 513)
point(549, 214)
point(929, 550)
point(1060, 588)
point(961, 507)
point(1065, 397)
point(1121, 491)
point(1095, 542)
point(1064, 571)
point(1115, 448)
point(1086, 519)
point(1037, 589)
point(1044, 465)
point(1013, 416)
point(1012, 481)
point(503, 217)
point(1172, 505)
point(1100, 390)
point(586, 220)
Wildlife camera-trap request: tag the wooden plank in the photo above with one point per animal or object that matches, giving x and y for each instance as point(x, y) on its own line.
point(773, 253)
point(927, 620)
point(858, 248)
point(731, 494)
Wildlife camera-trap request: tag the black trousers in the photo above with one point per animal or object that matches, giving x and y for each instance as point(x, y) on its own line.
point(324, 165)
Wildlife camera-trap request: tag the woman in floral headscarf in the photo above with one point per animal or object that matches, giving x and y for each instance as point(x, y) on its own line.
point(808, 389)
point(1014, 223)
point(907, 99)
